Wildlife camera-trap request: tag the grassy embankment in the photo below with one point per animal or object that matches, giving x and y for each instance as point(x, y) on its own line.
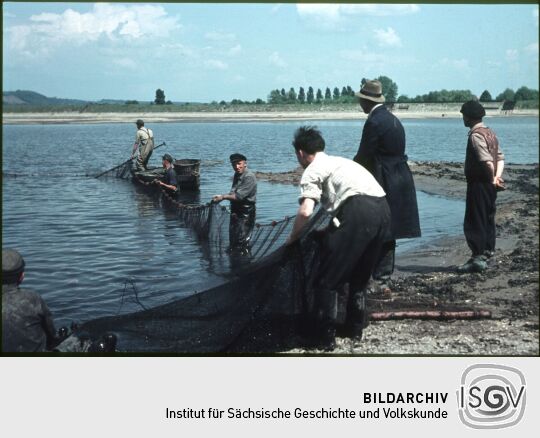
point(244, 107)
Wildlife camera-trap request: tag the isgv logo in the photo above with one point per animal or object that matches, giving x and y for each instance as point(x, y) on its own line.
point(491, 396)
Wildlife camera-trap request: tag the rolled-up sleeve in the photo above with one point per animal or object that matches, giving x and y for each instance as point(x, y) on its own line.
point(311, 184)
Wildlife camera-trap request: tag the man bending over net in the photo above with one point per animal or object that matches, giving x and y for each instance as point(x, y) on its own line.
point(351, 243)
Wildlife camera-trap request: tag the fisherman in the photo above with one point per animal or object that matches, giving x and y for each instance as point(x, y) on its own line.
point(351, 243)
point(169, 183)
point(382, 152)
point(484, 165)
point(144, 143)
point(242, 196)
point(27, 324)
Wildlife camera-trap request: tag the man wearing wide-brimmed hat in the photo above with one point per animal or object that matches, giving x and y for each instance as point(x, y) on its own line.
point(484, 164)
point(382, 152)
point(144, 143)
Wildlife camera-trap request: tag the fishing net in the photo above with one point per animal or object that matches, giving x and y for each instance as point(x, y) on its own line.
point(259, 307)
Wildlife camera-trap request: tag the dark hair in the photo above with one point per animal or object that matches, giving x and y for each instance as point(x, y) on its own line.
point(168, 158)
point(309, 139)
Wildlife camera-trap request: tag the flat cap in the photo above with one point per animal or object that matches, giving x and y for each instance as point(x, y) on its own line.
point(167, 157)
point(12, 265)
point(473, 109)
point(237, 157)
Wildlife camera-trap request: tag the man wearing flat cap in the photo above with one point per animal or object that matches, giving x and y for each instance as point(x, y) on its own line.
point(170, 182)
point(144, 143)
point(27, 324)
point(382, 152)
point(242, 196)
point(484, 165)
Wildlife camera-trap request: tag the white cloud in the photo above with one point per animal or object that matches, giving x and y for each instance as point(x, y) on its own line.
point(234, 50)
point(215, 64)
point(277, 60)
point(379, 10)
point(127, 63)
point(331, 15)
point(511, 55)
point(532, 49)
point(112, 21)
point(388, 37)
point(276, 8)
point(220, 36)
point(456, 64)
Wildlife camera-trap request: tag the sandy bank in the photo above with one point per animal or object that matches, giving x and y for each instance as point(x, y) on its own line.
point(178, 117)
point(426, 279)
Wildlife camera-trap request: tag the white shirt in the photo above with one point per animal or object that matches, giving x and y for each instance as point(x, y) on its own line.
point(331, 180)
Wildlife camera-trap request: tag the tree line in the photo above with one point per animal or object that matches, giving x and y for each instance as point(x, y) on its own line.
point(347, 95)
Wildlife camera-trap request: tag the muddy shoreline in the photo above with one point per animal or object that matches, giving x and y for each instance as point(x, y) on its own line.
point(426, 279)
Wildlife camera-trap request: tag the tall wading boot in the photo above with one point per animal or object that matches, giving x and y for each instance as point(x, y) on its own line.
point(325, 335)
point(357, 316)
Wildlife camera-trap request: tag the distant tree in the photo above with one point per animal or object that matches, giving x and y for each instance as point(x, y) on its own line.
point(259, 101)
point(275, 97)
point(336, 94)
point(327, 94)
point(507, 94)
point(350, 91)
point(310, 96)
point(319, 95)
point(301, 95)
point(236, 102)
point(389, 88)
point(485, 96)
point(168, 102)
point(291, 96)
point(132, 102)
point(283, 95)
point(403, 98)
point(344, 92)
point(160, 97)
point(524, 93)
point(223, 102)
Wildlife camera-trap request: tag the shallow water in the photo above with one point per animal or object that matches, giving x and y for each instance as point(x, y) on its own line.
point(85, 240)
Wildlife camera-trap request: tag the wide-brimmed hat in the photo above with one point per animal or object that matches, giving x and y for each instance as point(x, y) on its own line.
point(473, 109)
point(371, 90)
point(237, 157)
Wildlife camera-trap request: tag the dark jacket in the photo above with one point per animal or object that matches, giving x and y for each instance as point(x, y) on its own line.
point(27, 324)
point(382, 152)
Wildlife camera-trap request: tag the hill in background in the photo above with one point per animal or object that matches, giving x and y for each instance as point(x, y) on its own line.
point(26, 97)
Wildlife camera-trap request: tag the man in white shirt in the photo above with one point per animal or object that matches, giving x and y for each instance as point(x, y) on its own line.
point(351, 243)
point(144, 142)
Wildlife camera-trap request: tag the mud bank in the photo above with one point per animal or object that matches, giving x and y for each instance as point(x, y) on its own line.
point(426, 279)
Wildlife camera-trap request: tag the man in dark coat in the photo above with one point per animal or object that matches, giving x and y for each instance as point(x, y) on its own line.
point(484, 165)
point(382, 152)
point(27, 324)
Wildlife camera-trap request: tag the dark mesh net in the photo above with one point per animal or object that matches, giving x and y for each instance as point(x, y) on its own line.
point(258, 308)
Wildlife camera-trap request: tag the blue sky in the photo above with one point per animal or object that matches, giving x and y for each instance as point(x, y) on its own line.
point(204, 52)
